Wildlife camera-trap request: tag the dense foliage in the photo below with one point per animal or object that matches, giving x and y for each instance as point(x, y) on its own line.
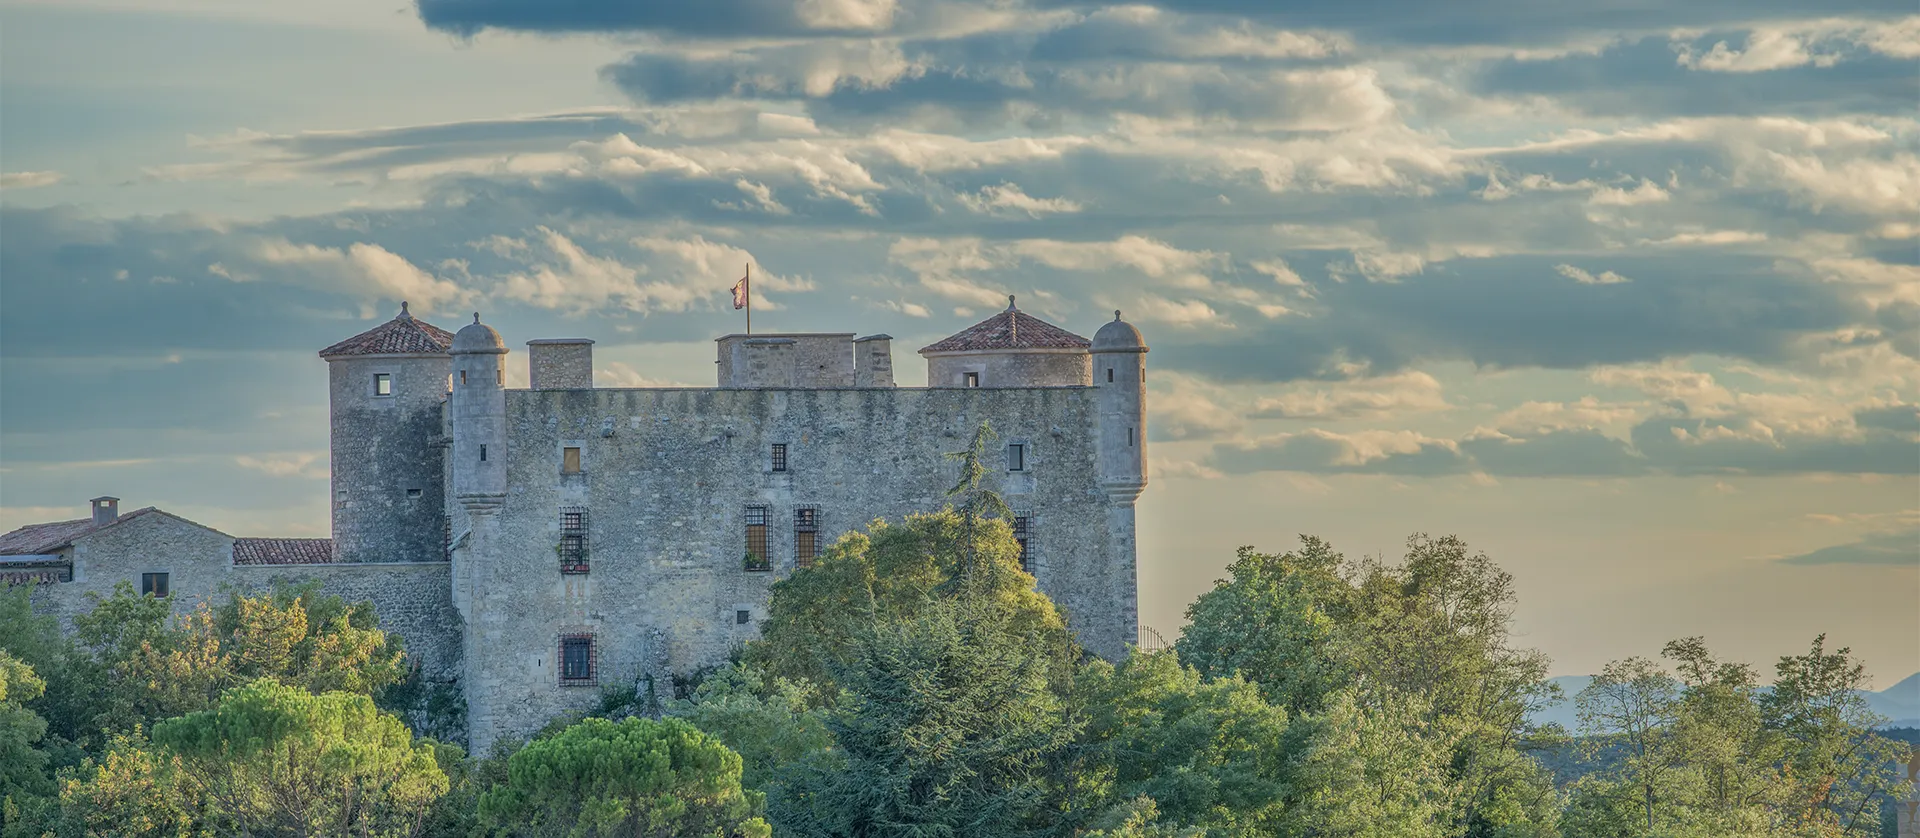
point(913, 683)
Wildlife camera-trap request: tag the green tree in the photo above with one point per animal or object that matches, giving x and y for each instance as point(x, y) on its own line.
point(23, 766)
point(765, 720)
point(275, 759)
point(1274, 621)
point(888, 574)
point(1368, 770)
point(135, 791)
point(636, 778)
point(312, 640)
point(1837, 768)
point(949, 727)
point(1206, 754)
point(1631, 706)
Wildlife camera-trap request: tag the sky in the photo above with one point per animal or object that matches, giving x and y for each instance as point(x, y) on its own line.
point(1627, 297)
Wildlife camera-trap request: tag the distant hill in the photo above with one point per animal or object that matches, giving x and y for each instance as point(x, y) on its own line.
point(1900, 703)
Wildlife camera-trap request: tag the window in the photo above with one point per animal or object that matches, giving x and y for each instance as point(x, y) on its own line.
point(569, 461)
point(483, 453)
point(1023, 535)
point(154, 585)
point(413, 494)
point(1109, 375)
point(500, 376)
point(463, 377)
point(741, 618)
point(573, 540)
point(972, 379)
point(1129, 437)
point(779, 456)
point(757, 554)
point(1017, 456)
point(382, 384)
point(806, 535)
point(577, 660)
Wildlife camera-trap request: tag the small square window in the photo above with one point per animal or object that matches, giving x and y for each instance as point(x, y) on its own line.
point(569, 461)
point(382, 384)
point(1017, 457)
point(779, 456)
point(413, 493)
point(972, 379)
point(577, 660)
point(154, 585)
point(741, 618)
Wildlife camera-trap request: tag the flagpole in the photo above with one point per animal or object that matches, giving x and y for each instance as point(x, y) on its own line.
point(747, 283)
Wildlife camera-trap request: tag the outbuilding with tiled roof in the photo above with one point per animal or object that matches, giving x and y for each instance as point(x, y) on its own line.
point(1010, 349)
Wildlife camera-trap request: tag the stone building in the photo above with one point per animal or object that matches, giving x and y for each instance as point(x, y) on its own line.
point(534, 544)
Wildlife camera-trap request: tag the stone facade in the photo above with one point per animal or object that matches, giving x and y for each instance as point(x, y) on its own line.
point(534, 545)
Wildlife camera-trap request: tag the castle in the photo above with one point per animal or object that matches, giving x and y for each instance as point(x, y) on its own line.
point(530, 544)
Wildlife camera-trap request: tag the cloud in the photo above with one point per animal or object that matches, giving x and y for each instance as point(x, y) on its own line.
point(1898, 549)
point(718, 17)
point(367, 271)
point(1007, 196)
point(308, 464)
point(1366, 397)
point(1584, 278)
point(29, 180)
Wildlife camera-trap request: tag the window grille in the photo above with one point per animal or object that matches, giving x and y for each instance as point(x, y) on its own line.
point(779, 456)
point(154, 585)
point(758, 556)
point(1017, 457)
point(806, 535)
point(573, 540)
point(1023, 535)
point(578, 661)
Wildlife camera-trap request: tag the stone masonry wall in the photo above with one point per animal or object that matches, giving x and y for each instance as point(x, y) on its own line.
point(667, 494)
point(1012, 369)
point(412, 599)
point(387, 503)
point(195, 559)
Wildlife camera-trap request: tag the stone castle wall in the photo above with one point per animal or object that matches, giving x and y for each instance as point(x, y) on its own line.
point(667, 495)
point(387, 493)
point(1011, 369)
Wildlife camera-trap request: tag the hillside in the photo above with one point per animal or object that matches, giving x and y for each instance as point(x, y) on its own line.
point(1900, 703)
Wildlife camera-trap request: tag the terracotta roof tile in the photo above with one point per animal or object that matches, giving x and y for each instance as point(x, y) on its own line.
point(1010, 329)
point(282, 550)
point(403, 335)
point(35, 539)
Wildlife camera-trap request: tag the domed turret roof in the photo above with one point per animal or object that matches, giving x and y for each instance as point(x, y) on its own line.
point(403, 335)
point(1118, 336)
point(1011, 329)
point(478, 338)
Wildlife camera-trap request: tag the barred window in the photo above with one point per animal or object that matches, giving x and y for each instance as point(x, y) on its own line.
point(779, 456)
point(1017, 456)
point(1023, 535)
point(573, 540)
point(577, 661)
point(758, 557)
point(806, 535)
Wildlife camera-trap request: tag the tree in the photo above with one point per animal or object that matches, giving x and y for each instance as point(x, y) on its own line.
point(1837, 767)
point(276, 759)
point(1273, 621)
point(1631, 705)
point(135, 791)
point(23, 767)
point(949, 726)
point(889, 574)
point(1361, 771)
point(316, 641)
point(636, 778)
point(1207, 754)
point(764, 719)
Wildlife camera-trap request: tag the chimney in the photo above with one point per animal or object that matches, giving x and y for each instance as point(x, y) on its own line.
point(560, 364)
point(873, 361)
point(106, 510)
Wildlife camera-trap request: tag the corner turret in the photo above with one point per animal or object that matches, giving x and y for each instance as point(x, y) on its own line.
point(1119, 378)
point(478, 409)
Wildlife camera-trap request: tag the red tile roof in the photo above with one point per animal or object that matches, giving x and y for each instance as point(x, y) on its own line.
point(402, 335)
point(282, 550)
point(1010, 329)
point(34, 539)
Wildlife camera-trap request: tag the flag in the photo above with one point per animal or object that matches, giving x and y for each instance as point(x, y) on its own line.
point(740, 294)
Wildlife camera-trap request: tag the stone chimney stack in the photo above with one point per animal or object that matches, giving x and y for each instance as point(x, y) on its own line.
point(560, 364)
point(873, 361)
point(106, 510)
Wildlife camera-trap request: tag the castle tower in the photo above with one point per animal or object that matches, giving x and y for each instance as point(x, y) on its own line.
point(385, 389)
point(1009, 349)
point(478, 408)
point(1119, 380)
